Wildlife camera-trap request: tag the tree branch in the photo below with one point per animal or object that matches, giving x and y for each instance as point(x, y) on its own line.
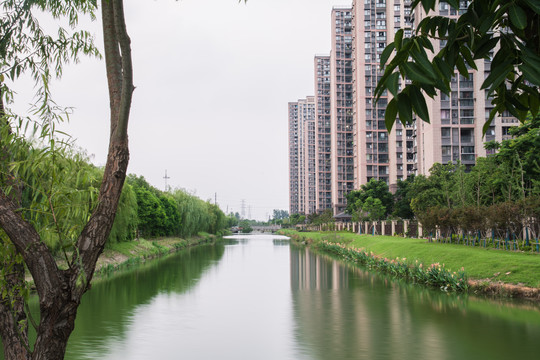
point(127, 71)
point(92, 240)
point(37, 257)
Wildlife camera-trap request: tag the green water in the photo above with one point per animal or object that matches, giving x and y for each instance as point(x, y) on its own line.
point(260, 298)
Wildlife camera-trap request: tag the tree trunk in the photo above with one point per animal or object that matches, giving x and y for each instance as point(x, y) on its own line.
point(60, 291)
point(14, 329)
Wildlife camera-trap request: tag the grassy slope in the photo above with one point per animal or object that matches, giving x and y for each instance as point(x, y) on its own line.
point(117, 254)
point(479, 263)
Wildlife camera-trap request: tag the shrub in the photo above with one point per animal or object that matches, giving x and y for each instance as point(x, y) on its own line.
point(435, 275)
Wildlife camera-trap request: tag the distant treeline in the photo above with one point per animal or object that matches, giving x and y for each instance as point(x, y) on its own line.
point(145, 210)
point(58, 189)
point(500, 194)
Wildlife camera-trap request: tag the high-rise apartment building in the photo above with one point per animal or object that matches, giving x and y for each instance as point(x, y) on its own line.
point(352, 145)
point(302, 156)
point(341, 109)
point(323, 138)
point(306, 111)
point(294, 159)
point(377, 154)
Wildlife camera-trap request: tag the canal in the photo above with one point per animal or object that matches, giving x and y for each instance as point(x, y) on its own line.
point(258, 297)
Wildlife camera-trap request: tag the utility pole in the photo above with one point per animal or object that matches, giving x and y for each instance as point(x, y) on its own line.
point(215, 199)
point(166, 178)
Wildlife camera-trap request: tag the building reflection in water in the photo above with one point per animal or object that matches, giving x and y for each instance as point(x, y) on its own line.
point(345, 312)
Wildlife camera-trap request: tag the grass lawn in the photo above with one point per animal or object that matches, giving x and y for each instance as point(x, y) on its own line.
point(479, 263)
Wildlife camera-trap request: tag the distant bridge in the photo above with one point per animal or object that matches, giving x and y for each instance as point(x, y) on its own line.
point(267, 228)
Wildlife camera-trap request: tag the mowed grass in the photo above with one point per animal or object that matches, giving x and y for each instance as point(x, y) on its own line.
point(479, 263)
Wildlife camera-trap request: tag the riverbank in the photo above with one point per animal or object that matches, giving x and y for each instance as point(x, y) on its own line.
point(124, 254)
point(489, 271)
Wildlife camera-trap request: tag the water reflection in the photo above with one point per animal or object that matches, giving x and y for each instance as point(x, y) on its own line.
point(106, 313)
point(253, 297)
point(344, 312)
point(281, 242)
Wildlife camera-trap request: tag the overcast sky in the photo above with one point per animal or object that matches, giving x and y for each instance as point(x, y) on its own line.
point(212, 79)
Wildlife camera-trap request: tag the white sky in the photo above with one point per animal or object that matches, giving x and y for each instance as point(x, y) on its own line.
point(212, 79)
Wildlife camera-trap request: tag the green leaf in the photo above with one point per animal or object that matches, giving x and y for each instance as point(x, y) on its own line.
point(497, 75)
point(386, 54)
point(404, 108)
point(534, 4)
point(398, 38)
point(428, 5)
point(443, 27)
point(392, 83)
point(484, 46)
point(518, 16)
point(462, 68)
point(529, 57)
point(390, 114)
point(444, 68)
point(466, 52)
point(415, 73)
point(418, 103)
point(534, 104)
point(487, 24)
point(492, 114)
point(531, 74)
point(421, 59)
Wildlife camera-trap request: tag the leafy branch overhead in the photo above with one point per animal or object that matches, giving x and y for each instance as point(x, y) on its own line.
point(505, 32)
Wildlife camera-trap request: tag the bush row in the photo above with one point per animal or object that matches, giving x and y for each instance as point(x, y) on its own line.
point(435, 275)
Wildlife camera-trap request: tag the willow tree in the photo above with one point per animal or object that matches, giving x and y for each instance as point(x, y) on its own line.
point(59, 290)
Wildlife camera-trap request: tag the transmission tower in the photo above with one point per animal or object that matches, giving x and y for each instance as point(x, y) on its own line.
point(243, 209)
point(166, 178)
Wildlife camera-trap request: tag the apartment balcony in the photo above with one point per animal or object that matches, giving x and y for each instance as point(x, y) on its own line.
point(467, 140)
point(469, 103)
point(468, 158)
